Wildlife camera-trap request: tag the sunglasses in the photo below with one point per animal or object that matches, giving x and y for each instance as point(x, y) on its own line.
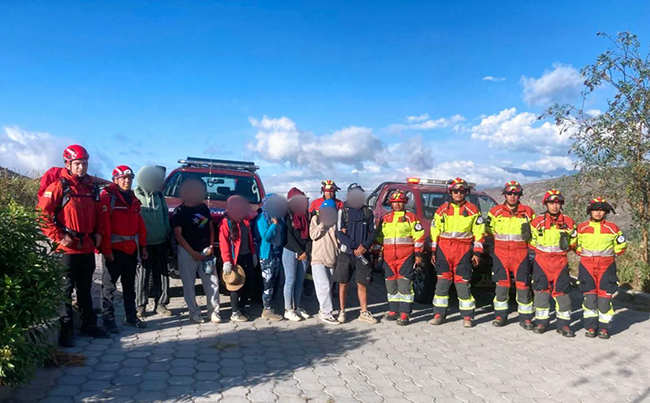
point(513, 193)
point(458, 191)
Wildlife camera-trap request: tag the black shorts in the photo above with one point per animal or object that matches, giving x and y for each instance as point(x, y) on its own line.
point(346, 265)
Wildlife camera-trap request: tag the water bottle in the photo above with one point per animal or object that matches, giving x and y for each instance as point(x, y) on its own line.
point(363, 259)
point(209, 263)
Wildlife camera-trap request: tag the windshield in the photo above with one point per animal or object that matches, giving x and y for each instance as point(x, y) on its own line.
point(431, 202)
point(220, 186)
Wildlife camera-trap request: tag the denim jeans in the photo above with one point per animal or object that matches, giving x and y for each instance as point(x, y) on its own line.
point(323, 284)
point(271, 275)
point(294, 276)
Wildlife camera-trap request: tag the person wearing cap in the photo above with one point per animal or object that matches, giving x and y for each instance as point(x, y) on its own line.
point(296, 253)
point(270, 235)
point(194, 233)
point(509, 224)
point(356, 233)
point(124, 239)
point(599, 242)
point(72, 218)
point(553, 236)
point(238, 251)
point(402, 238)
point(156, 219)
point(328, 189)
point(325, 250)
point(457, 232)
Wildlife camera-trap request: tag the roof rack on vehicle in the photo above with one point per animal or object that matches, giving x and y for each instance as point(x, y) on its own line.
point(421, 181)
point(210, 163)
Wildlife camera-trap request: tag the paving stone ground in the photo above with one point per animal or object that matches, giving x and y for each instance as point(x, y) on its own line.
point(174, 360)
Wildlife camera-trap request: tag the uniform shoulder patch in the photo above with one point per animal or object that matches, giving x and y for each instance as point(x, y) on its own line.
point(418, 226)
point(480, 220)
point(621, 239)
point(47, 195)
point(574, 233)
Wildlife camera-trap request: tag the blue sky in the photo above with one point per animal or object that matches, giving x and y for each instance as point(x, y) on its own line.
point(309, 90)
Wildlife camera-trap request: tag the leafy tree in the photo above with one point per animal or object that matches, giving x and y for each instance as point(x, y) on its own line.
point(612, 146)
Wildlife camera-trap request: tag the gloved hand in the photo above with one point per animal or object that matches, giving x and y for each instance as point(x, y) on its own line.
point(227, 268)
point(255, 260)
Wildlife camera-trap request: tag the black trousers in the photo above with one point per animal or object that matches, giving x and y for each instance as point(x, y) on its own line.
point(123, 266)
point(79, 276)
point(239, 299)
point(153, 270)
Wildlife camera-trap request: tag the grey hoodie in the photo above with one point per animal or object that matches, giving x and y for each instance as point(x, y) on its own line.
point(154, 208)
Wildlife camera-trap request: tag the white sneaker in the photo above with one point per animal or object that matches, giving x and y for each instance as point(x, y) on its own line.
point(197, 318)
point(328, 318)
point(341, 317)
point(302, 313)
point(291, 315)
point(215, 317)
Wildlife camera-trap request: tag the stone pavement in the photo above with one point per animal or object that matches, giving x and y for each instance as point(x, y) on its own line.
point(174, 360)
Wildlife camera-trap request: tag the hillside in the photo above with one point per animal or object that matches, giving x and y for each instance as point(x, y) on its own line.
point(577, 197)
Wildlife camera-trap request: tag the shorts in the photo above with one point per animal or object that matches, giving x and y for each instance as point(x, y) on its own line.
point(347, 265)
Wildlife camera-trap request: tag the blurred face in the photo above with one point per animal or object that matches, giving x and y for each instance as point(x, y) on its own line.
point(192, 193)
point(78, 168)
point(512, 198)
point(398, 206)
point(124, 183)
point(327, 195)
point(299, 204)
point(356, 198)
point(276, 206)
point(458, 195)
point(328, 216)
point(238, 208)
point(598, 215)
point(554, 207)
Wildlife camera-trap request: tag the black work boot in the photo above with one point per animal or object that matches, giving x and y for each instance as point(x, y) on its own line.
point(591, 333)
point(391, 316)
point(94, 331)
point(540, 329)
point(66, 339)
point(403, 320)
point(499, 321)
point(110, 326)
point(566, 331)
point(526, 324)
point(603, 334)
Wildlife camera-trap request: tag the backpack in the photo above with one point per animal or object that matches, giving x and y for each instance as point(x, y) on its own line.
point(367, 214)
point(54, 174)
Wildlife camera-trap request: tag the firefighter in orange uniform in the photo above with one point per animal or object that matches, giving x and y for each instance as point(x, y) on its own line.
point(553, 236)
point(599, 242)
point(457, 232)
point(402, 237)
point(509, 223)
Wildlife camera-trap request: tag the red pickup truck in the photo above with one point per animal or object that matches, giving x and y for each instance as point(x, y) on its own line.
point(223, 179)
point(425, 196)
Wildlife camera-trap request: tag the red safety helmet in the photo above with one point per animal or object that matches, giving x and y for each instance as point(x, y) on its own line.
point(329, 186)
point(600, 203)
point(121, 171)
point(458, 183)
point(514, 187)
point(553, 195)
point(75, 152)
point(398, 196)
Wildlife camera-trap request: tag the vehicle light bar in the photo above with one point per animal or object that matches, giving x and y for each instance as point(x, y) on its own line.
point(205, 162)
point(421, 181)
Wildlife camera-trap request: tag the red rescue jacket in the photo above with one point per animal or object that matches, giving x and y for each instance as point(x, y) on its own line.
point(80, 217)
point(230, 247)
point(122, 222)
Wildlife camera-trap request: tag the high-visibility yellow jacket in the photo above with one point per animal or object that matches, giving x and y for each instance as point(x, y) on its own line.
point(547, 232)
point(602, 238)
point(401, 235)
point(459, 222)
point(506, 225)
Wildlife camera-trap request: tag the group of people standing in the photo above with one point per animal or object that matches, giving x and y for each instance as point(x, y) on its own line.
point(332, 237)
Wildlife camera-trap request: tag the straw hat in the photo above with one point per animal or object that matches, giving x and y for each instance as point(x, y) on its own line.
point(236, 279)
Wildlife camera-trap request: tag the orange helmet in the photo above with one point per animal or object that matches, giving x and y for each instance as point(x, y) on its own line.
point(458, 183)
point(329, 186)
point(513, 187)
point(398, 196)
point(553, 195)
point(600, 203)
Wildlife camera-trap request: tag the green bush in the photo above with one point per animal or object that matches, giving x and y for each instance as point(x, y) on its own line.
point(21, 189)
point(31, 283)
point(632, 270)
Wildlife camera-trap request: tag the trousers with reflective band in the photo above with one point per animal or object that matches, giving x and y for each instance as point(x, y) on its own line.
point(597, 312)
point(401, 236)
point(597, 275)
point(508, 263)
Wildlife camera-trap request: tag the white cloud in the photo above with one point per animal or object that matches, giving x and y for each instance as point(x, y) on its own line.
point(562, 84)
point(550, 163)
point(30, 152)
point(521, 132)
point(421, 118)
point(423, 122)
point(492, 78)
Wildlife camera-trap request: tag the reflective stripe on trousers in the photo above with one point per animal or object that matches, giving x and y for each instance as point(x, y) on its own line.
point(441, 302)
point(605, 317)
point(400, 297)
point(525, 308)
point(541, 313)
point(500, 305)
point(464, 304)
point(589, 313)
